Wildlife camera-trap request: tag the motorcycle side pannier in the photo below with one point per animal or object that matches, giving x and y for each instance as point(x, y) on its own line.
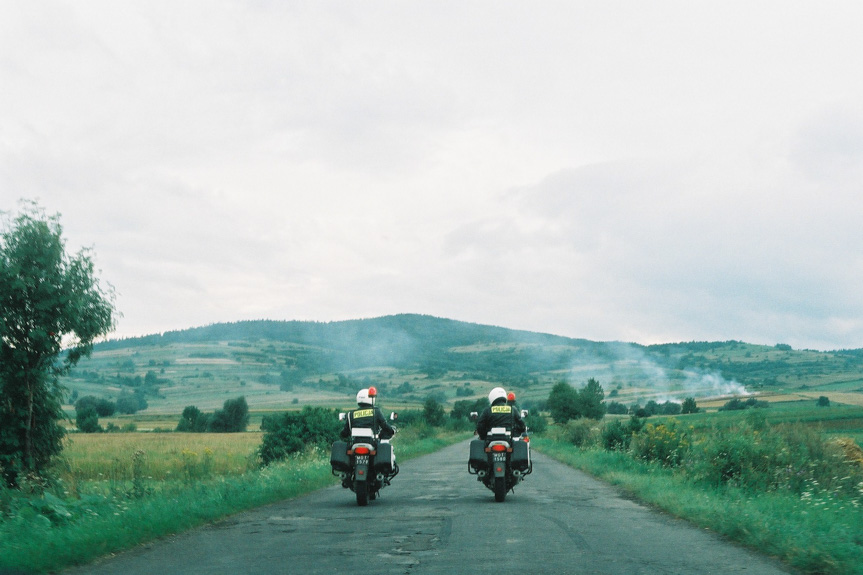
point(520, 455)
point(384, 458)
point(478, 457)
point(339, 459)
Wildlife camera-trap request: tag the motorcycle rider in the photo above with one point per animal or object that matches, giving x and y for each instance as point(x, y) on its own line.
point(368, 415)
point(499, 414)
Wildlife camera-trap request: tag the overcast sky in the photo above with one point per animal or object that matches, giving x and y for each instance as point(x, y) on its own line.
point(646, 172)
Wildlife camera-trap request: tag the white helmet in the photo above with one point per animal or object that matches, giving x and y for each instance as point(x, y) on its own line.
point(496, 393)
point(363, 397)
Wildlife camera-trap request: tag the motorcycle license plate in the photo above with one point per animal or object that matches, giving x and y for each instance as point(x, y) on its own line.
point(500, 457)
point(362, 459)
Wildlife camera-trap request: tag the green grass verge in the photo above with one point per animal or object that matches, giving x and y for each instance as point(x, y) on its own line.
point(46, 534)
point(817, 536)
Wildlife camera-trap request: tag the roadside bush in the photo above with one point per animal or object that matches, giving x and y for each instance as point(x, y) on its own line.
point(663, 443)
point(737, 456)
point(794, 458)
point(460, 424)
point(536, 424)
point(410, 417)
point(617, 435)
point(580, 433)
point(418, 429)
point(292, 431)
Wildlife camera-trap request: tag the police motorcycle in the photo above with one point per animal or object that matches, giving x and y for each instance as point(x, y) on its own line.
point(500, 461)
point(365, 463)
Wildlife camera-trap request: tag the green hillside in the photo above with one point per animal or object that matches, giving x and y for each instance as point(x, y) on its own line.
point(280, 365)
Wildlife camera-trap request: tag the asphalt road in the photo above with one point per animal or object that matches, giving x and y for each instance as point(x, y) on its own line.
point(435, 519)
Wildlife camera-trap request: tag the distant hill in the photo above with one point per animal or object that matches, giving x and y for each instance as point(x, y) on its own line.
point(280, 364)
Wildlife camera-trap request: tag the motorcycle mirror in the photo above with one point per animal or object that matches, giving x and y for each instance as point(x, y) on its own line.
point(525, 413)
point(474, 416)
point(394, 416)
point(342, 416)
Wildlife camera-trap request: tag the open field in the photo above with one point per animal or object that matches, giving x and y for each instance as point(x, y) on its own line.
point(158, 456)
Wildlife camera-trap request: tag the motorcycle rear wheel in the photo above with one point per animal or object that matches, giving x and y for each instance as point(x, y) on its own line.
point(499, 489)
point(362, 490)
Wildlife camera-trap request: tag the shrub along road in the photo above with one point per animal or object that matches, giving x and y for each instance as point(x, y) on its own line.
point(436, 519)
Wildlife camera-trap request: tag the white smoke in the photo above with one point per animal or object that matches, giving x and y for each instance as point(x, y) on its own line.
point(661, 384)
point(714, 385)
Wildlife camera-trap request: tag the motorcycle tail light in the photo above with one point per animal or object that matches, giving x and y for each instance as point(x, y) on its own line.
point(362, 450)
point(498, 447)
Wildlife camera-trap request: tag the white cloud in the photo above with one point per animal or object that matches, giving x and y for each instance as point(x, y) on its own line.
point(614, 171)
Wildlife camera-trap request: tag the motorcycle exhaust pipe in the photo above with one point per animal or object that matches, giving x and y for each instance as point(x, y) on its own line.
point(480, 473)
point(380, 477)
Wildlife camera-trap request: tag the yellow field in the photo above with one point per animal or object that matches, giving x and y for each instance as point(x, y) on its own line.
point(158, 456)
point(836, 397)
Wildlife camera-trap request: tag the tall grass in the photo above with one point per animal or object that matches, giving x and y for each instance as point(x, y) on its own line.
point(115, 491)
point(107, 456)
point(785, 490)
point(51, 532)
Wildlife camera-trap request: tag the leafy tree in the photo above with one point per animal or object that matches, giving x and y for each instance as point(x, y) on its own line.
point(102, 406)
point(193, 420)
point(563, 402)
point(590, 400)
point(461, 409)
point(671, 408)
point(639, 411)
point(48, 301)
point(129, 403)
point(652, 407)
point(232, 418)
point(823, 401)
point(616, 408)
point(87, 420)
point(733, 405)
point(433, 412)
point(689, 406)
